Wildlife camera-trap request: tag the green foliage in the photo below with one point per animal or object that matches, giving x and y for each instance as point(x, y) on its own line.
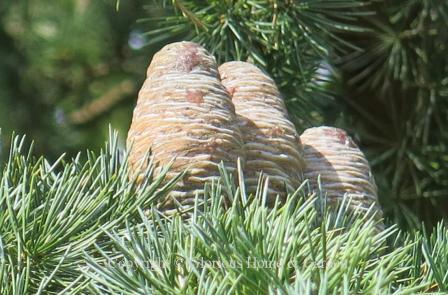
point(51, 214)
point(77, 227)
point(396, 91)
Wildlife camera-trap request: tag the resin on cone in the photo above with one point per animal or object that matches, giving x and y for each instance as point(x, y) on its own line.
point(184, 112)
point(343, 168)
point(271, 141)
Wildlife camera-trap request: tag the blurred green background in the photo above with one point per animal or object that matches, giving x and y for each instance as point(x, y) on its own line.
point(378, 69)
point(68, 69)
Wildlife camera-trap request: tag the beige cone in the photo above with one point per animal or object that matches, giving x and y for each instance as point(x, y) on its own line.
point(343, 168)
point(183, 111)
point(270, 138)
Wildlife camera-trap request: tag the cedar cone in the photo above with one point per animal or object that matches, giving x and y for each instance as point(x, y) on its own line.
point(183, 111)
point(270, 138)
point(343, 168)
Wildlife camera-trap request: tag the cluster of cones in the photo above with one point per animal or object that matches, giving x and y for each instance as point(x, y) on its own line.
point(202, 115)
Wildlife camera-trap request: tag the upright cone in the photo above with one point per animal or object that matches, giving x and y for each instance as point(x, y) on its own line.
point(343, 168)
point(183, 111)
point(270, 138)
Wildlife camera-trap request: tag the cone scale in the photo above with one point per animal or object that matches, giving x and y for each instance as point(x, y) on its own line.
point(184, 112)
point(343, 169)
point(270, 138)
